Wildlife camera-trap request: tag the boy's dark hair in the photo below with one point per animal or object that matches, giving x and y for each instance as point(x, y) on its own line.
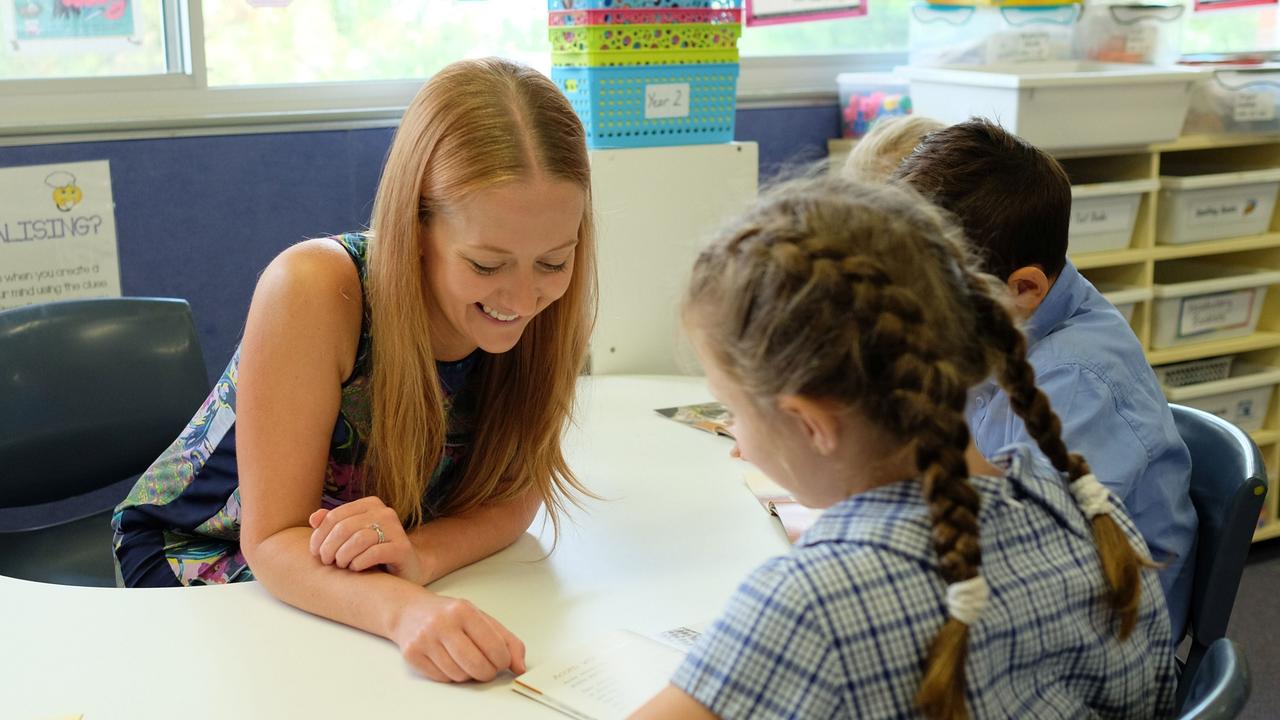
point(1012, 199)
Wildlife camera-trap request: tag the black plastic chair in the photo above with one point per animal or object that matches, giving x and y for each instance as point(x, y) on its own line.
point(1220, 687)
point(1228, 486)
point(91, 392)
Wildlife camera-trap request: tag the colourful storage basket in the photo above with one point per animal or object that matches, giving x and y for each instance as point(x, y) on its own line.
point(652, 105)
point(646, 16)
point(639, 4)
point(664, 44)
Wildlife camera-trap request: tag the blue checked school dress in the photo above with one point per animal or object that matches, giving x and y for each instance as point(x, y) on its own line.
point(180, 525)
point(840, 627)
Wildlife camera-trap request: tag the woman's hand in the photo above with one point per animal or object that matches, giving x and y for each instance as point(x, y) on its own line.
point(347, 537)
point(450, 640)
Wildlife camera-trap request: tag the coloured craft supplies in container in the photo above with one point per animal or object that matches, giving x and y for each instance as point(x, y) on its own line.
point(868, 97)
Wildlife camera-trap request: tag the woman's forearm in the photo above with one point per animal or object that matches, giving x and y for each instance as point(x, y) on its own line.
point(370, 601)
point(449, 543)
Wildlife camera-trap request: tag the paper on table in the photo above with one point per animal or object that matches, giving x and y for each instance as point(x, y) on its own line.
point(795, 518)
point(612, 680)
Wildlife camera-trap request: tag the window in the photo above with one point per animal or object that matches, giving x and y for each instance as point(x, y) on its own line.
point(1246, 29)
point(341, 40)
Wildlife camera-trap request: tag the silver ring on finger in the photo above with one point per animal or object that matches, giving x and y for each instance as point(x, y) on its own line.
point(382, 537)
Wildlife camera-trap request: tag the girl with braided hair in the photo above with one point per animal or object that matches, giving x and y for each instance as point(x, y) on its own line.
point(843, 326)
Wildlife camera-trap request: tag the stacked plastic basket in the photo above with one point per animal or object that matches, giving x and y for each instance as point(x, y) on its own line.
point(648, 72)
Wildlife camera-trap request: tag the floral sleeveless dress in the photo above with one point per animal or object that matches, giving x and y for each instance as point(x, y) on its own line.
point(180, 525)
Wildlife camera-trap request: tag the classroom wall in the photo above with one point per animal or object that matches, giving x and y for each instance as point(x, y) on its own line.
point(199, 217)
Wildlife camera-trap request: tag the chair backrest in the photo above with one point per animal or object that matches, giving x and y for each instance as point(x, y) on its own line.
point(91, 392)
point(1228, 486)
point(1219, 688)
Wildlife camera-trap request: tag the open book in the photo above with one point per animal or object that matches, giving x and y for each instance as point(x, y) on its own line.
point(610, 680)
point(795, 518)
point(712, 417)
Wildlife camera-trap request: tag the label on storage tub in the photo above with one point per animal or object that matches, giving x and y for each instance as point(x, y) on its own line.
point(1221, 311)
point(1020, 47)
point(1254, 107)
point(666, 100)
point(1220, 209)
point(1140, 42)
point(1094, 219)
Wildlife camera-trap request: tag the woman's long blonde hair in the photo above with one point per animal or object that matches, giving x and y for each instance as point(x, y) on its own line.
point(868, 296)
point(475, 124)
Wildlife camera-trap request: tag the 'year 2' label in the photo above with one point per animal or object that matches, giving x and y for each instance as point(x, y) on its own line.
point(666, 100)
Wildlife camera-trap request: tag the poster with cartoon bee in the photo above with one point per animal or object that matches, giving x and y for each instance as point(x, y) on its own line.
point(57, 233)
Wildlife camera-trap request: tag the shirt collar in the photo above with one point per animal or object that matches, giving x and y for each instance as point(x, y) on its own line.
point(896, 518)
point(1064, 298)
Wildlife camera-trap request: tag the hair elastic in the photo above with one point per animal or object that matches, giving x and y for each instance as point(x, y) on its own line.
point(967, 599)
point(1092, 496)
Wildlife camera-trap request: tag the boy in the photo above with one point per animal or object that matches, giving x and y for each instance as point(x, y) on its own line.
point(1014, 203)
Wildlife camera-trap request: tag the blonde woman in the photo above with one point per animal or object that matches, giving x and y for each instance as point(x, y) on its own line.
point(394, 410)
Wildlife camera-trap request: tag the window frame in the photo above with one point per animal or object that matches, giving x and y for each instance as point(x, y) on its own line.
point(54, 109)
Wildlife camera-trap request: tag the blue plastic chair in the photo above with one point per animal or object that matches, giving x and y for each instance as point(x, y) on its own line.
point(1228, 487)
point(91, 392)
point(1219, 688)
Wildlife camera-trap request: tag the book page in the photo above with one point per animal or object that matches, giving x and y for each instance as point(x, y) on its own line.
point(795, 518)
point(608, 681)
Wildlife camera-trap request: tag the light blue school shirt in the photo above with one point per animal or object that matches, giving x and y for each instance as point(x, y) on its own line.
point(1090, 364)
point(840, 626)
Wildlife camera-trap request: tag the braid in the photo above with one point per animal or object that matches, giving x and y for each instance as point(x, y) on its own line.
point(1121, 563)
point(925, 401)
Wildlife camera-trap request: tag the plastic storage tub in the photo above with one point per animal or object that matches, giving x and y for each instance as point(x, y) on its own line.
point(1124, 297)
point(1216, 206)
point(1198, 301)
point(649, 105)
point(948, 35)
point(1103, 214)
point(1242, 398)
point(1242, 99)
point(554, 5)
point(1060, 105)
point(644, 44)
point(867, 97)
point(1130, 33)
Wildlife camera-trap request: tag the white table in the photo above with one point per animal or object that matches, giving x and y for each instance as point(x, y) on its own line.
point(678, 532)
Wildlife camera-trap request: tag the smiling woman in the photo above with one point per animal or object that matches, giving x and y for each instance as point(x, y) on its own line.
point(395, 408)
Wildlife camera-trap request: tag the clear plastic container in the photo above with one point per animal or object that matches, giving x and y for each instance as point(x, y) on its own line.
point(867, 97)
point(960, 35)
point(1131, 33)
point(1236, 99)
